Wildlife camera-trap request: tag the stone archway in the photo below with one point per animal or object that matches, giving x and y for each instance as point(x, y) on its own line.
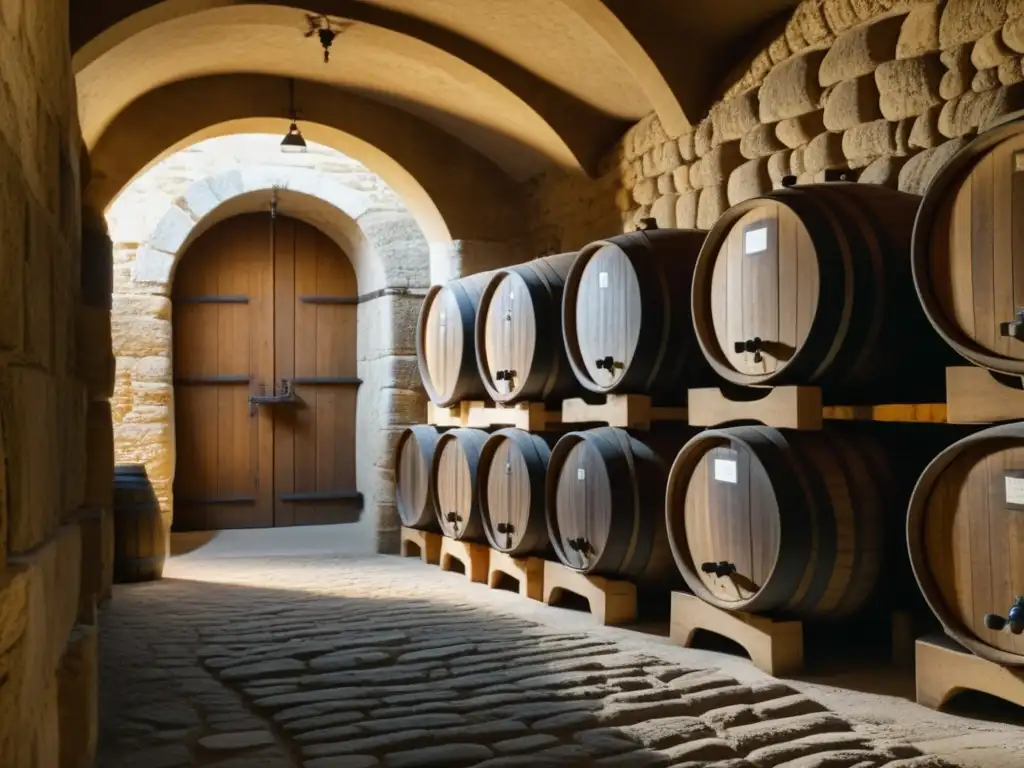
point(391, 259)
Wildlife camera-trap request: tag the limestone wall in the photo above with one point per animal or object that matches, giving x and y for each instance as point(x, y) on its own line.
point(162, 212)
point(888, 89)
point(50, 559)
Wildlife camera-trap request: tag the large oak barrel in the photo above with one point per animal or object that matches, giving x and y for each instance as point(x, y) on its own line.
point(414, 455)
point(519, 349)
point(445, 349)
point(140, 541)
point(625, 318)
point(513, 468)
point(965, 534)
point(968, 249)
point(454, 473)
point(812, 285)
point(605, 493)
point(790, 523)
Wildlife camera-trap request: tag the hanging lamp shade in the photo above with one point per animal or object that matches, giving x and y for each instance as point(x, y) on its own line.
point(293, 140)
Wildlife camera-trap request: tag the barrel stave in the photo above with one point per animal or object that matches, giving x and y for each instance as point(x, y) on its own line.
point(454, 471)
point(413, 496)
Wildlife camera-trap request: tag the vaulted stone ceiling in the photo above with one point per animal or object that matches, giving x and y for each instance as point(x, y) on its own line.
point(526, 84)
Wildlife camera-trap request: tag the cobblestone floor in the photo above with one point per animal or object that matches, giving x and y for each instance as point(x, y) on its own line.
point(245, 659)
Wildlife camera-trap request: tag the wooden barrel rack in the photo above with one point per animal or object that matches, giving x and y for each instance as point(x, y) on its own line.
point(812, 285)
point(625, 330)
point(512, 470)
point(518, 335)
point(966, 239)
point(414, 454)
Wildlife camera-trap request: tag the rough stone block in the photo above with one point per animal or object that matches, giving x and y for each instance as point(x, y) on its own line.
point(99, 488)
point(851, 103)
point(686, 209)
point(703, 137)
point(641, 213)
point(840, 15)
point(909, 86)
point(919, 171)
point(798, 131)
point(664, 211)
point(714, 201)
point(681, 178)
point(990, 51)
point(697, 174)
point(960, 72)
point(809, 19)
point(649, 165)
point(78, 699)
point(13, 204)
point(687, 149)
point(95, 359)
point(760, 142)
point(749, 180)
point(884, 171)
point(779, 167)
point(97, 264)
point(1013, 34)
point(985, 80)
point(964, 21)
point(824, 152)
point(792, 89)
point(28, 411)
point(1011, 72)
point(645, 136)
point(920, 32)
point(645, 191)
point(152, 266)
point(778, 50)
point(668, 156)
point(871, 140)
point(666, 185)
point(734, 117)
point(859, 51)
point(796, 161)
point(972, 111)
point(719, 163)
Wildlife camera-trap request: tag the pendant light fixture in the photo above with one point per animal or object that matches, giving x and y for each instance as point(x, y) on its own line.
point(293, 140)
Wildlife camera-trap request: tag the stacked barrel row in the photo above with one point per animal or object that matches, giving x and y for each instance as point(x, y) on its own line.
point(866, 292)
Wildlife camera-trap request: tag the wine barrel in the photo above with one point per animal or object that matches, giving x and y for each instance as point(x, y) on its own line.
point(968, 249)
point(788, 523)
point(605, 494)
point(965, 526)
point(812, 285)
point(414, 454)
point(625, 329)
point(445, 350)
point(519, 349)
point(454, 472)
point(513, 467)
point(140, 541)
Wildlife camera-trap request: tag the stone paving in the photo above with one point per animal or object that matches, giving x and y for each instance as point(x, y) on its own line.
point(354, 662)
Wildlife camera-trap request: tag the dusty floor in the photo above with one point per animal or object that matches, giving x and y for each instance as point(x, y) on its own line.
point(267, 649)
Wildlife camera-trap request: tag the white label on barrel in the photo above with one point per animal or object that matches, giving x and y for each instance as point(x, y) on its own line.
point(511, 295)
point(725, 470)
point(602, 279)
point(1014, 490)
point(581, 474)
point(755, 241)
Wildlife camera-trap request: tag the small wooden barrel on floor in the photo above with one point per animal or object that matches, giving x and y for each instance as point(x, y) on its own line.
point(519, 349)
point(812, 285)
point(968, 241)
point(140, 541)
point(454, 473)
point(790, 523)
point(965, 534)
point(605, 494)
point(445, 349)
point(626, 330)
point(414, 454)
point(512, 471)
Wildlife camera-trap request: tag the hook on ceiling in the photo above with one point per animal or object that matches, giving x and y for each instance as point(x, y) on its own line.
point(326, 29)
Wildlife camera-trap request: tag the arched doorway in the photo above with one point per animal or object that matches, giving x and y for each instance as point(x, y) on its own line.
point(265, 380)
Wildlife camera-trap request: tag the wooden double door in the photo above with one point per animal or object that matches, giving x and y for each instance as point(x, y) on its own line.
point(265, 378)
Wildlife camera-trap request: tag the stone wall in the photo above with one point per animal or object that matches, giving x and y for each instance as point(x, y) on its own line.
point(161, 213)
point(51, 561)
point(887, 90)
